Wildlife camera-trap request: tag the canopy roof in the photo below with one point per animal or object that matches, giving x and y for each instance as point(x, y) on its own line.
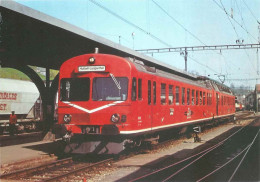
point(29, 37)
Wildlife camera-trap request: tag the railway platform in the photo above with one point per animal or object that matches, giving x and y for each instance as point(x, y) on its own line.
point(27, 151)
point(142, 164)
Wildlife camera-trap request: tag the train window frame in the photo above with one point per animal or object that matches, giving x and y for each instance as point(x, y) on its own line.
point(163, 95)
point(200, 101)
point(133, 89)
point(177, 94)
point(171, 95)
point(69, 80)
point(192, 97)
point(183, 95)
point(188, 96)
point(197, 97)
point(140, 89)
point(204, 98)
point(154, 93)
point(117, 78)
point(149, 89)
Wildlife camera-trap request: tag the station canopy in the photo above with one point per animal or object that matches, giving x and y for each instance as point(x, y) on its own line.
point(29, 37)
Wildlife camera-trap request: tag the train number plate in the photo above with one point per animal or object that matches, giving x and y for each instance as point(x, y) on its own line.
point(91, 68)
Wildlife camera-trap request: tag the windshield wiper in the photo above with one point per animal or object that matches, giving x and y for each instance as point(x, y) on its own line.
point(116, 82)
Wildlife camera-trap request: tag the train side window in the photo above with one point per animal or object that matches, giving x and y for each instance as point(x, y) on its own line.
point(170, 97)
point(163, 93)
point(188, 96)
point(193, 97)
point(140, 89)
point(183, 96)
point(133, 89)
point(200, 97)
point(177, 93)
point(204, 98)
point(207, 98)
point(197, 97)
point(154, 93)
point(149, 92)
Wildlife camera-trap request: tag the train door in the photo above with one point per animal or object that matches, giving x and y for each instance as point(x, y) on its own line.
point(157, 110)
point(217, 103)
point(154, 104)
point(149, 108)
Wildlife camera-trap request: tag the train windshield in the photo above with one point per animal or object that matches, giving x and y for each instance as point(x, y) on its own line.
point(74, 89)
point(110, 88)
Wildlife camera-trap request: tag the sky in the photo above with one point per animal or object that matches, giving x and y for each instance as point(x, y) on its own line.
point(147, 24)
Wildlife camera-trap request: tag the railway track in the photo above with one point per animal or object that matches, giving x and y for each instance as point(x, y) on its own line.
point(68, 167)
point(218, 162)
point(54, 171)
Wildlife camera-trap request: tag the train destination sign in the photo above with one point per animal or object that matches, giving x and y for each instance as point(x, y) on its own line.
point(91, 68)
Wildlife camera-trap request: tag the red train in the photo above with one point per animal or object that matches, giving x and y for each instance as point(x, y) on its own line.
point(107, 102)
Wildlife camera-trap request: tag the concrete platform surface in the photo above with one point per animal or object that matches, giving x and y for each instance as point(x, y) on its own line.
point(20, 152)
point(141, 164)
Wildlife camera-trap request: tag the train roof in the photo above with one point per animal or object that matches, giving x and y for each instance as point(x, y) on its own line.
point(199, 81)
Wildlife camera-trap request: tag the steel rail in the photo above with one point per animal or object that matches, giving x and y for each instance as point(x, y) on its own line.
point(21, 173)
point(200, 154)
point(77, 170)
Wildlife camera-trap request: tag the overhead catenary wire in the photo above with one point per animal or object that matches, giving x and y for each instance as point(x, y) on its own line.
point(182, 26)
point(130, 23)
point(236, 32)
point(251, 12)
point(194, 36)
point(235, 20)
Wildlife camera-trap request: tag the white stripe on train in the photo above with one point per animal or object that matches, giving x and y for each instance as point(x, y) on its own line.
point(170, 125)
point(93, 110)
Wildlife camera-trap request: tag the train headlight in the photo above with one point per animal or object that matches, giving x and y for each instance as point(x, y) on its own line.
point(91, 60)
point(115, 118)
point(67, 118)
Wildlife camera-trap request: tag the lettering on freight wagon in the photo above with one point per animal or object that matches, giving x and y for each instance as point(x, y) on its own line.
point(8, 96)
point(3, 107)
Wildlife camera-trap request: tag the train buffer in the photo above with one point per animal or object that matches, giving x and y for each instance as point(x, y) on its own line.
point(197, 130)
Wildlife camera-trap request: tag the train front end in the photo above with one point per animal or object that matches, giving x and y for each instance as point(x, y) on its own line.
point(93, 102)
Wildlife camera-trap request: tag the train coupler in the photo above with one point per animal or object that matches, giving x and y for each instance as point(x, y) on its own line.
point(67, 137)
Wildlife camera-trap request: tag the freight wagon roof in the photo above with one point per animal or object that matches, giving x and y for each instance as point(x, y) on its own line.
point(11, 86)
point(50, 41)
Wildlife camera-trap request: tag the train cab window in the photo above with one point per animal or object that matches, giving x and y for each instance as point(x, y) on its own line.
point(197, 97)
point(110, 88)
point(222, 100)
point(204, 98)
point(193, 97)
point(74, 89)
point(140, 89)
point(200, 97)
point(154, 93)
point(177, 93)
point(183, 96)
point(170, 97)
point(163, 93)
point(149, 92)
point(188, 96)
point(133, 89)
